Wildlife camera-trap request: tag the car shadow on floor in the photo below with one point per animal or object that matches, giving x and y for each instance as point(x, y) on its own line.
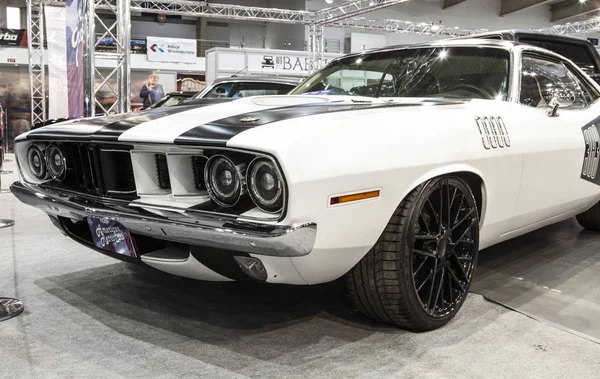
point(261, 320)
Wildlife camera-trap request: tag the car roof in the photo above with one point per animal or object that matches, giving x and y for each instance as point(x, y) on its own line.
point(260, 79)
point(530, 34)
point(502, 44)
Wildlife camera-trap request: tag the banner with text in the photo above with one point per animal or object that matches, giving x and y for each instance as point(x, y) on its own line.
point(74, 9)
point(171, 50)
point(13, 37)
point(58, 83)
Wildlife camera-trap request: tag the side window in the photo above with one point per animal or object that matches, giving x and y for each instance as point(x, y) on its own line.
point(542, 79)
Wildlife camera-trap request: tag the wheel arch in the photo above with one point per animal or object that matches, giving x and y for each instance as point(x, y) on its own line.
point(469, 174)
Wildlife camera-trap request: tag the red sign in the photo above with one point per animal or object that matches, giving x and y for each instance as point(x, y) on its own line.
point(11, 60)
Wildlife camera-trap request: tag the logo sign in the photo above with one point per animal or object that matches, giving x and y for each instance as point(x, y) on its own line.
point(161, 17)
point(13, 37)
point(280, 63)
point(171, 50)
point(11, 60)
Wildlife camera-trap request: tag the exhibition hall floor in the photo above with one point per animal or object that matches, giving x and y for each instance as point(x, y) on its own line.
point(89, 316)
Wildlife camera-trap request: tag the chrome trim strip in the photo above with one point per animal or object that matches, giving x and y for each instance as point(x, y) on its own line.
point(254, 238)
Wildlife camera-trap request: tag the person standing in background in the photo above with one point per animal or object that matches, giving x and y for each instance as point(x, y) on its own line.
point(151, 91)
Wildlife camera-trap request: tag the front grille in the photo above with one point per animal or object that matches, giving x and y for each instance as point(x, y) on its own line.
point(105, 171)
point(162, 169)
point(198, 165)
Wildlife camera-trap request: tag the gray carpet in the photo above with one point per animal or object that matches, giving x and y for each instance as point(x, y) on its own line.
point(551, 274)
point(88, 316)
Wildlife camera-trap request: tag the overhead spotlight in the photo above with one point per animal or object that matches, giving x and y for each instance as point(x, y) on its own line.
point(435, 27)
point(329, 1)
point(582, 1)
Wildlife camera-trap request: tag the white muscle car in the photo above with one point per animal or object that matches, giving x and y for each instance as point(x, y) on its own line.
point(392, 168)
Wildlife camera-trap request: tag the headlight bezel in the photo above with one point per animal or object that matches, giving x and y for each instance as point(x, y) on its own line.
point(43, 175)
point(59, 177)
point(238, 177)
point(251, 182)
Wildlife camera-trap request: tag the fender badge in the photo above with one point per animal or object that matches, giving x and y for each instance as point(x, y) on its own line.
point(249, 119)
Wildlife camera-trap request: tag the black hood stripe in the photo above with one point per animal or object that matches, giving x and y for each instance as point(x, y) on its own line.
point(218, 133)
point(111, 126)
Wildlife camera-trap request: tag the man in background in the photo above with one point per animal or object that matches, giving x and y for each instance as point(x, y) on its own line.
point(151, 91)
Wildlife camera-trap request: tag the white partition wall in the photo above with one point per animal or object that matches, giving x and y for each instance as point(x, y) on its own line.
point(223, 62)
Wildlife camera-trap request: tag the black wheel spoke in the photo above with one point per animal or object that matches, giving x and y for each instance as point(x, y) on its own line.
point(428, 202)
point(424, 253)
point(462, 236)
point(450, 287)
point(441, 215)
point(420, 267)
point(460, 208)
point(425, 281)
point(439, 289)
point(435, 268)
point(449, 205)
point(422, 218)
point(461, 286)
point(462, 220)
point(426, 237)
point(462, 269)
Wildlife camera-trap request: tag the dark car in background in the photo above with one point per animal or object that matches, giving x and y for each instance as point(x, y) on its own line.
point(174, 98)
point(246, 86)
point(226, 89)
point(579, 51)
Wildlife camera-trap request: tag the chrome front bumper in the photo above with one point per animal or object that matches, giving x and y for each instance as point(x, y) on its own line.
point(232, 235)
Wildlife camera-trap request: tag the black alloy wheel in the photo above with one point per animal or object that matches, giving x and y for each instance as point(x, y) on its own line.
point(444, 247)
point(418, 274)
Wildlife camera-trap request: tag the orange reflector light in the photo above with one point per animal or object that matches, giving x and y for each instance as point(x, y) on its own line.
point(354, 197)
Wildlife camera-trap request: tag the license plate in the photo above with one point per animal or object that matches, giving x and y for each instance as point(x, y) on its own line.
point(111, 236)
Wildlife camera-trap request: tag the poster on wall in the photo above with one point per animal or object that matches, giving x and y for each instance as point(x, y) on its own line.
point(171, 50)
point(74, 36)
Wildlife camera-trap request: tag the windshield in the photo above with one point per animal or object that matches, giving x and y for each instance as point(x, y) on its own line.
point(245, 89)
point(454, 72)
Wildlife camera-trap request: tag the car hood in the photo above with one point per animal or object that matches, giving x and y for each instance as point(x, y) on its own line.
point(212, 123)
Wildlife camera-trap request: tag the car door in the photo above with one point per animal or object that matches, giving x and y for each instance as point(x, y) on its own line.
point(552, 182)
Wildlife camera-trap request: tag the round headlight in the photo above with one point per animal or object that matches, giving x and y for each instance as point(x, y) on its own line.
point(223, 181)
point(56, 162)
point(265, 185)
point(36, 162)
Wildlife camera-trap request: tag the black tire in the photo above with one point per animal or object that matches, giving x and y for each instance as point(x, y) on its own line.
point(590, 219)
point(383, 285)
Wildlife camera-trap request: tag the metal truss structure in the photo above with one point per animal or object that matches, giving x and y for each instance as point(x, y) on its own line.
point(225, 11)
point(592, 25)
point(118, 81)
point(37, 69)
point(351, 9)
point(398, 26)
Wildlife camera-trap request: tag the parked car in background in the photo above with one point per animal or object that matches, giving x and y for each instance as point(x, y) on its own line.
point(174, 98)
point(246, 86)
point(580, 51)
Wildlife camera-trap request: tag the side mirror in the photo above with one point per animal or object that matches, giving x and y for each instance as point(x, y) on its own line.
point(560, 98)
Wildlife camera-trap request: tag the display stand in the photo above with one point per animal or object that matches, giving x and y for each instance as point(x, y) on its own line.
point(10, 308)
